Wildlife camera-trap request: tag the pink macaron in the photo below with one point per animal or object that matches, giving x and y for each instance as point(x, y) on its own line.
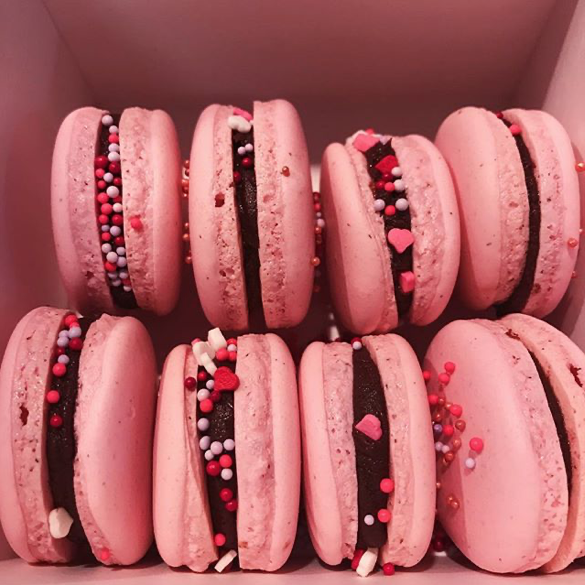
point(227, 459)
point(77, 402)
point(518, 194)
point(509, 423)
point(251, 216)
point(392, 236)
point(116, 208)
point(369, 469)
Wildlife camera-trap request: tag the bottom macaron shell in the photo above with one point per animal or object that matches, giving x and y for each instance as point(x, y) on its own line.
point(563, 364)
point(114, 423)
point(508, 513)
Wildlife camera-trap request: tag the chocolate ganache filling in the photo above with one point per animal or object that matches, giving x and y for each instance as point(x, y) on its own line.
point(61, 447)
point(120, 289)
point(519, 297)
point(559, 419)
point(372, 456)
point(247, 203)
point(401, 262)
point(222, 493)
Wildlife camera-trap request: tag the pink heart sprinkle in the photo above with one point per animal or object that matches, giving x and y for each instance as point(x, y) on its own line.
point(370, 426)
point(407, 281)
point(244, 113)
point(387, 164)
point(400, 239)
point(363, 142)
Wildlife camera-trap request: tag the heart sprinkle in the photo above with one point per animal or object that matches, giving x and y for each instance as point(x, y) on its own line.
point(225, 379)
point(400, 239)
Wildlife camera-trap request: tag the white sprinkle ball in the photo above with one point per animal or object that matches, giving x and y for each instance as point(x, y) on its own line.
point(122, 262)
point(446, 449)
point(229, 445)
point(127, 288)
point(112, 257)
point(63, 342)
point(113, 129)
point(209, 455)
point(113, 275)
point(114, 156)
point(121, 251)
point(401, 204)
point(226, 474)
point(321, 223)
point(107, 120)
point(438, 446)
point(202, 394)
point(116, 282)
point(210, 384)
point(115, 230)
point(232, 347)
point(357, 345)
point(319, 214)
point(108, 177)
point(112, 191)
point(241, 150)
point(368, 519)
point(123, 274)
point(106, 248)
point(470, 463)
point(204, 442)
point(399, 185)
point(118, 207)
point(63, 359)
point(203, 424)
point(216, 447)
point(249, 147)
point(113, 147)
point(105, 228)
point(64, 333)
point(75, 332)
point(379, 204)
point(397, 172)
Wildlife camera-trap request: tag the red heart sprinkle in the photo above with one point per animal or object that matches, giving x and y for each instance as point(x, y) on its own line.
point(225, 379)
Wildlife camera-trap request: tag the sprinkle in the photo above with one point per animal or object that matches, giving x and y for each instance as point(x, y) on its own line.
point(53, 396)
point(136, 223)
point(379, 205)
point(213, 468)
point(204, 443)
point(401, 204)
point(239, 124)
point(203, 424)
point(229, 445)
point(226, 494)
point(370, 426)
point(367, 562)
point(244, 113)
point(433, 399)
point(456, 410)
point(470, 463)
point(315, 261)
point(190, 383)
point(515, 130)
point(389, 187)
point(438, 446)
point(60, 523)
point(444, 378)
point(449, 367)
point(285, 171)
point(388, 569)
point(384, 515)
point(209, 456)
point(210, 384)
point(387, 485)
point(222, 354)
point(399, 185)
point(460, 425)
point(407, 280)
point(216, 447)
point(387, 164)
point(225, 379)
point(453, 502)
point(580, 167)
point(445, 449)
point(59, 370)
point(225, 461)
point(219, 539)
point(396, 172)
point(206, 406)
point(232, 506)
point(225, 561)
point(56, 421)
point(226, 474)
point(363, 142)
point(390, 210)
point(426, 375)
point(357, 555)
point(356, 343)
point(400, 239)
point(476, 444)
point(572, 243)
point(369, 520)
point(448, 430)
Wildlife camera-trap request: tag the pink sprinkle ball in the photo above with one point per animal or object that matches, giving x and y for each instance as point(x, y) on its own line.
point(388, 569)
point(515, 130)
point(390, 210)
point(206, 405)
point(449, 367)
point(233, 356)
point(444, 378)
point(70, 319)
point(53, 396)
point(476, 444)
point(113, 138)
point(225, 461)
point(426, 375)
point(456, 410)
point(136, 223)
point(222, 354)
point(433, 399)
point(389, 187)
point(387, 485)
point(448, 430)
point(59, 370)
point(219, 539)
point(384, 515)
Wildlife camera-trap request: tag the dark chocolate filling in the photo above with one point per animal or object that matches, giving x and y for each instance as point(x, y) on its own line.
point(557, 414)
point(221, 427)
point(247, 203)
point(372, 457)
point(401, 219)
point(516, 302)
point(123, 299)
point(61, 447)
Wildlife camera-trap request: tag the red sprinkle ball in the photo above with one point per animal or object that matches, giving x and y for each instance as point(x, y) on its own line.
point(426, 375)
point(190, 383)
point(388, 569)
point(476, 444)
point(219, 539)
point(357, 556)
point(56, 421)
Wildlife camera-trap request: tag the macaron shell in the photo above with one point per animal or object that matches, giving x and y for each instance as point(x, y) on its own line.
point(26, 498)
point(215, 231)
point(493, 204)
point(114, 422)
point(285, 213)
point(513, 504)
point(564, 364)
point(552, 155)
point(182, 522)
point(73, 212)
point(267, 436)
point(357, 253)
point(151, 175)
point(412, 455)
point(434, 225)
point(329, 467)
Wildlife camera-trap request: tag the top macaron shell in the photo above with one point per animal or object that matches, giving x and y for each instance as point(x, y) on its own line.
point(493, 203)
point(358, 257)
point(513, 504)
point(150, 163)
point(267, 437)
point(330, 480)
point(113, 426)
point(285, 217)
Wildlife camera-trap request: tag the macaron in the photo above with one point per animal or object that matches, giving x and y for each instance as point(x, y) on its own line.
point(518, 194)
point(227, 454)
point(116, 209)
point(508, 410)
point(251, 216)
point(392, 237)
point(368, 459)
point(77, 403)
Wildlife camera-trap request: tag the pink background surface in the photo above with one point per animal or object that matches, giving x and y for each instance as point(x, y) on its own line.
point(400, 66)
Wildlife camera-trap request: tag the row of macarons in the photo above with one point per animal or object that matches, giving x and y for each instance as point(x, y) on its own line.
point(98, 456)
point(387, 223)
